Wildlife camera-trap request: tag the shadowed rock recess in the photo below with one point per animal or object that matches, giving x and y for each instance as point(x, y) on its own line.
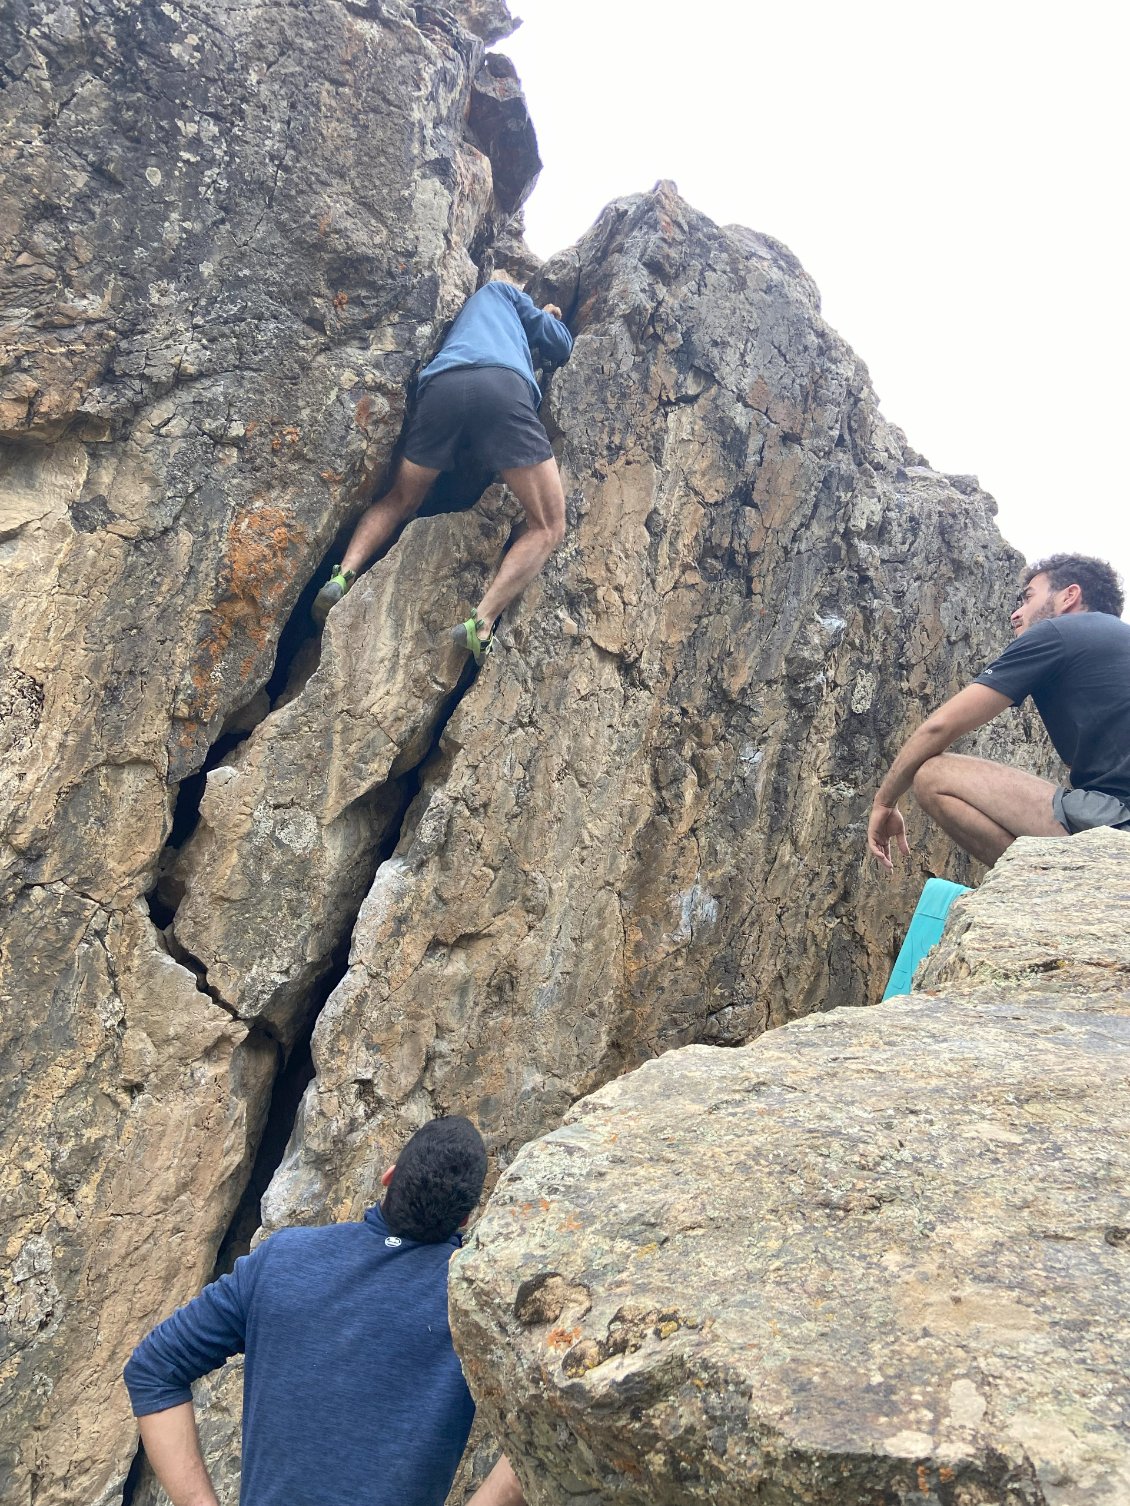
point(231, 236)
point(877, 1257)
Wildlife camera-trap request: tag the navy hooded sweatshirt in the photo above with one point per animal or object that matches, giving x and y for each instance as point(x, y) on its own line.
point(352, 1390)
point(498, 326)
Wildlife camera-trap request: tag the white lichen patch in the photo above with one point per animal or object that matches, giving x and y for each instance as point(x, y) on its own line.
point(694, 908)
point(32, 1306)
point(909, 1444)
point(295, 828)
point(967, 1405)
point(863, 692)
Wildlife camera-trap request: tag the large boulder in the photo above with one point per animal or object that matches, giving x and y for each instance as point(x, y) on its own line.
point(644, 824)
point(878, 1256)
point(230, 235)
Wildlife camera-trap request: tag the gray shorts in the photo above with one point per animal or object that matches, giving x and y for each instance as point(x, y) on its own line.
point(1079, 810)
point(484, 414)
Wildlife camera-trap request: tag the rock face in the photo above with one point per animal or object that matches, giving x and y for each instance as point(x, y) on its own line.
point(644, 823)
point(230, 235)
point(878, 1256)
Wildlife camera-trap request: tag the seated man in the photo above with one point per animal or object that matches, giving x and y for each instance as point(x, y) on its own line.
point(1071, 654)
point(352, 1390)
point(479, 392)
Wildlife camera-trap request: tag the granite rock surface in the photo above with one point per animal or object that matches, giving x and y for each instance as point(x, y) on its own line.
point(644, 823)
point(229, 237)
point(878, 1256)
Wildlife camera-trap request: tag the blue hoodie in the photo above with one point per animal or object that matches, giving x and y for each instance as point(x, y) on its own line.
point(352, 1389)
point(497, 326)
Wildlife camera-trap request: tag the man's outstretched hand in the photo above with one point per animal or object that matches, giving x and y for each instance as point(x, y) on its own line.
point(886, 826)
point(551, 308)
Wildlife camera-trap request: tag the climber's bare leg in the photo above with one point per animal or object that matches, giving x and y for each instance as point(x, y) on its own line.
point(539, 490)
point(984, 806)
point(383, 519)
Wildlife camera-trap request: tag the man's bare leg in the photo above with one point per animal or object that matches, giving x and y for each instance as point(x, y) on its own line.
point(984, 806)
point(539, 490)
point(379, 522)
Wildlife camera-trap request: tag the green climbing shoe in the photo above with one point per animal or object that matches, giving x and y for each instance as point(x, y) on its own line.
point(331, 593)
point(473, 636)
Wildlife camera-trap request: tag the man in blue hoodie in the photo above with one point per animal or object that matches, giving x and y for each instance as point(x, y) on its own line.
point(478, 395)
point(352, 1390)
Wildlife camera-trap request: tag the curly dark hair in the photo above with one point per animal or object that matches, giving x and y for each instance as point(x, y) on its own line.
point(1100, 584)
point(437, 1182)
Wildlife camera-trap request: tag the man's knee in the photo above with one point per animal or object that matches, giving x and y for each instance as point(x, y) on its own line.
point(400, 501)
point(929, 778)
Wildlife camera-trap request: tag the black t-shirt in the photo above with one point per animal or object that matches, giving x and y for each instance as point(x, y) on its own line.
point(1076, 668)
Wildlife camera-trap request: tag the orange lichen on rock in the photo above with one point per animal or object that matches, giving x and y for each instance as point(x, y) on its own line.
point(562, 1338)
point(261, 545)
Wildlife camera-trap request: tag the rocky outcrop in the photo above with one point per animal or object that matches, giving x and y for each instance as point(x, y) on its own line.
point(877, 1255)
point(291, 824)
point(1051, 912)
point(644, 824)
point(230, 236)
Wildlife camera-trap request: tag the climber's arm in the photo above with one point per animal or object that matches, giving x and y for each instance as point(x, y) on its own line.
point(197, 1338)
point(172, 1446)
point(544, 327)
point(967, 710)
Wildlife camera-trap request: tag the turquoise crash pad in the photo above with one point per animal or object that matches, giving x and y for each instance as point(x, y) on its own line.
point(926, 927)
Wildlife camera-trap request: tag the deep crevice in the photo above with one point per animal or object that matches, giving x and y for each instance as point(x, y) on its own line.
point(193, 965)
point(296, 658)
point(300, 641)
point(297, 1071)
point(286, 1094)
point(133, 1475)
point(164, 897)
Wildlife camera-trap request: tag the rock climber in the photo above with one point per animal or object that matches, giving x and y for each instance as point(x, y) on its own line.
point(480, 393)
point(1071, 654)
point(352, 1390)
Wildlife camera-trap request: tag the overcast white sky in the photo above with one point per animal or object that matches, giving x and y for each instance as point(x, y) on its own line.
point(952, 175)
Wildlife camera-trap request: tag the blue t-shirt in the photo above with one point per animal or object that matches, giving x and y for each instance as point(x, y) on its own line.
point(498, 326)
point(1076, 668)
point(352, 1389)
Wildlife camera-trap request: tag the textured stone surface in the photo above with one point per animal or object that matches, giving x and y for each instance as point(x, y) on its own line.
point(131, 1103)
point(1050, 912)
point(644, 826)
point(229, 236)
point(290, 824)
point(879, 1256)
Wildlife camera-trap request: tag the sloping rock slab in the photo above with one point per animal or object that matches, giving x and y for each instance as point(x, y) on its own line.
point(879, 1256)
point(1049, 910)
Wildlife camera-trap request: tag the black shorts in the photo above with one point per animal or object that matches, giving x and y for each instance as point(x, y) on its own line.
point(486, 413)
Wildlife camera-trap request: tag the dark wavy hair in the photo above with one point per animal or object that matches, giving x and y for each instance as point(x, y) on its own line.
point(437, 1182)
point(1100, 584)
